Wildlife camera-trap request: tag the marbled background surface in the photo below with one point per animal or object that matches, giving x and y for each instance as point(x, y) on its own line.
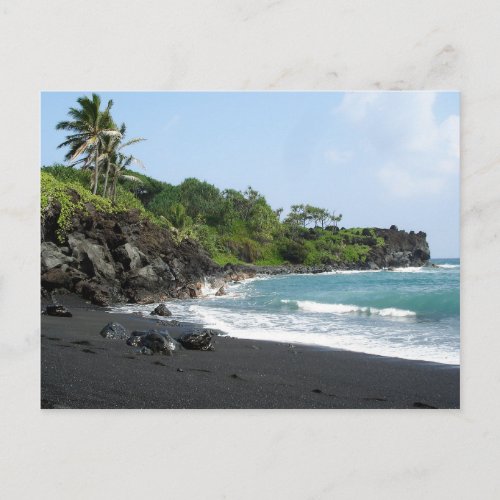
point(243, 44)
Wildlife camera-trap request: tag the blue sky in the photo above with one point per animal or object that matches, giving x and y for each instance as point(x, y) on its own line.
point(379, 158)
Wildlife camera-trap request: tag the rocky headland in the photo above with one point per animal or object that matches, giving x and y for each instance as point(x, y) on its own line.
point(122, 257)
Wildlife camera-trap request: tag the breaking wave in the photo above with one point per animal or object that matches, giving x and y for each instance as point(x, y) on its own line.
point(317, 307)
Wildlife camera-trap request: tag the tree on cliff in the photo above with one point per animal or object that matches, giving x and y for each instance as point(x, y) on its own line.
point(118, 167)
point(90, 126)
point(298, 215)
point(115, 162)
point(335, 218)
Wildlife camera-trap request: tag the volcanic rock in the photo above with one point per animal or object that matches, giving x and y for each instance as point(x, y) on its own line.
point(114, 331)
point(197, 340)
point(56, 310)
point(161, 310)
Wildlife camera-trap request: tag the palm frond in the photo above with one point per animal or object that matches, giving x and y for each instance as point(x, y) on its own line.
point(109, 105)
point(111, 133)
point(138, 162)
point(72, 139)
point(131, 141)
point(130, 178)
point(102, 157)
point(84, 161)
point(81, 148)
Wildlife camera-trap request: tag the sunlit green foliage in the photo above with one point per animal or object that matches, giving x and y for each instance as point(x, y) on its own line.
point(232, 226)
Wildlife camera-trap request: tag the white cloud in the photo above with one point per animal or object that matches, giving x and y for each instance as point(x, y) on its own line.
point(356, 105)
point(404, 183)
point(413, 153)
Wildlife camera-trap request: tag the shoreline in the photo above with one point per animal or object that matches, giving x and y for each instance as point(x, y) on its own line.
point(286, 271)
point(318, 347)
point(245, 271)
point(80, 369)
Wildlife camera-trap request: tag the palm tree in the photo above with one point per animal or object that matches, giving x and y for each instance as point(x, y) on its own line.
point(118, 167)
point(113, 158)
point(115, 161)
point(90, 126)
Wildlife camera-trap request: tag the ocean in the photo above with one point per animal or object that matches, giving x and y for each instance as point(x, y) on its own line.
point(411, 313)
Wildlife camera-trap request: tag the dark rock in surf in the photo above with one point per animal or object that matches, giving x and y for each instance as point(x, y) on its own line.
point(161, 310)
point(59, 311)
point(213, 332)
point(220, 292)
point(114, 331)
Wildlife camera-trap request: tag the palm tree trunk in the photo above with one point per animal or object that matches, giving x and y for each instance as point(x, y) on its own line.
point(114, 187)
point(106, 181)
point(96, 168)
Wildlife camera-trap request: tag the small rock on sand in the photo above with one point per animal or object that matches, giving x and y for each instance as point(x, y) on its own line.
point(197, 340)
point(60, 311)
point(114, 331)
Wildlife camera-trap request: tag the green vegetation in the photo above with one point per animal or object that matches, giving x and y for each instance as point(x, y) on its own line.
point(233, 226)
point(62, 188)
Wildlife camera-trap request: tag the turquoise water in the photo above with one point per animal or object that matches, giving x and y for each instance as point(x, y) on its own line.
point(411, 313)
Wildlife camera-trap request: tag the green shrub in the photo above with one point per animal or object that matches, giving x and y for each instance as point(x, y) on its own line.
point(64, 173)
point(292, 251)
point(71, 196)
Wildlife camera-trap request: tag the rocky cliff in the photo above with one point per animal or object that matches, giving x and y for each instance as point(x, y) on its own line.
point(123, 257)
point(401, 249)
point(120, 257)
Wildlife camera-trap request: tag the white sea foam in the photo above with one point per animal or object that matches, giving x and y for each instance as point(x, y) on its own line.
point(207, 290)
point(337, 271)
point(355, 271)
point(299, 330)
point(448, 266)
point(407, 269)
point(318, 307)
point(260, 277)
point(392, 311)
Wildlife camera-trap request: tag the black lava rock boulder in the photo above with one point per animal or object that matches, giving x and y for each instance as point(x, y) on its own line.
point(60, 311)
point(161, 310)
point(114, 331)
point(198, 340)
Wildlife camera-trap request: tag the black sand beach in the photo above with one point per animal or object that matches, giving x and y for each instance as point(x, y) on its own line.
point(80, 369)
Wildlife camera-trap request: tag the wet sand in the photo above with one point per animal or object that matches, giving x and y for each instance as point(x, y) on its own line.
point(80, 369)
